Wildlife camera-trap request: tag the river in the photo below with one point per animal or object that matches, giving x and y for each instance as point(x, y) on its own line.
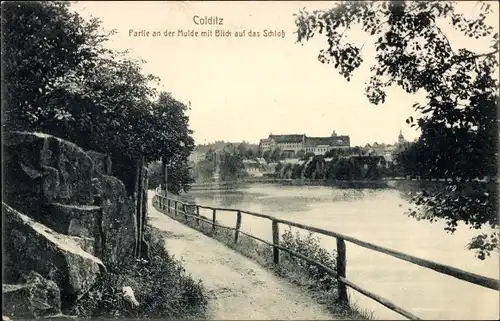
point(376, 216)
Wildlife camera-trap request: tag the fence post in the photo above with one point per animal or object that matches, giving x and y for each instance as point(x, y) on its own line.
point(238, 226)
point(168, 205)
point(213, 219)
point(276, 241)
point(175, 208)
point(197, 215)
point(159, 200)
point(184, 208)
point(341, 268)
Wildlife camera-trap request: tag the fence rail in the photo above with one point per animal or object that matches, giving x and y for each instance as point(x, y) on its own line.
point(165, 203)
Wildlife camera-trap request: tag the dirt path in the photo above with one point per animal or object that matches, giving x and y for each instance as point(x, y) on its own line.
point(238, 288)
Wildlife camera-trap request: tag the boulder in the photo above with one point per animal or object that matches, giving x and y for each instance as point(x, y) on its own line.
point(41, 169)
point(118, 225)
point(102, 162)
point(35, 298)
point(62, 186)
point(77, 220)
point(86, 243)
point(29, 245)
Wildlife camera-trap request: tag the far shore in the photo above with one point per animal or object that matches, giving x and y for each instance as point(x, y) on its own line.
point(381, 183)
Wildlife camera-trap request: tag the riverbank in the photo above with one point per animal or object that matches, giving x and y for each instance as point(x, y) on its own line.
point(290, 182)
point(321, 288)
point(394, 183)
point(379, 217)
point(237, 288)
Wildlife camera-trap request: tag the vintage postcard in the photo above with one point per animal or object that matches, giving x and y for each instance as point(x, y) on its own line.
point(250, 160)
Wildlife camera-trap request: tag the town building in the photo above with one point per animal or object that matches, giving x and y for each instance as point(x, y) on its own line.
point(386, 150)
point(196, 156)
point(254, 168)
point(292, 144)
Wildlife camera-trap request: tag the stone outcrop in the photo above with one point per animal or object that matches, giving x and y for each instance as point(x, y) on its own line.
point(30, 245)
point(118, 224)
point(102, 162)
point(35, 297)
point(65, 214)
point(42, 169)
point(64, 187)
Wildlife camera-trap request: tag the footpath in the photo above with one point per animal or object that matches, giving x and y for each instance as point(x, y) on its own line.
point(237, 288)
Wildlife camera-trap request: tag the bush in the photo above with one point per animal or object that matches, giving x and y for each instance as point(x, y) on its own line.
point(309, 246)
point(161, 286)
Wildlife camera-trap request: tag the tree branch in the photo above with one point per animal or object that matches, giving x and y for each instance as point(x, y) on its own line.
point(374, 32)
point(445, 38)
point(473, 57)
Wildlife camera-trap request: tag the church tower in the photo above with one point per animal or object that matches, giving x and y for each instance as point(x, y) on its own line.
point(401, 138)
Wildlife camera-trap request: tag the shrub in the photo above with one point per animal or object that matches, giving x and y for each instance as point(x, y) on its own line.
point(310, 246)
point(161, 286)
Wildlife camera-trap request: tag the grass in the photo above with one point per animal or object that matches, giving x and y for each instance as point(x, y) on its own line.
point(321, 285)
point(161, 286)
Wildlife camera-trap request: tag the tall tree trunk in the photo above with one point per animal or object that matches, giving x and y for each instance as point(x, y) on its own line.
point(135, 199)
point(138, 194)
point(144, 247)
point(165, 173)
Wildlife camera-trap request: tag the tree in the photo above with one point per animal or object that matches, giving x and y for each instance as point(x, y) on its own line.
point(297, 171)
point(332, 153)
point(173, 142)
point(43, 42)
point(210, 154)
point(300, 154)
point(459, 119)
point(204, 170)
point(248, 154)
point(61, 80)
point(231, 167)
point(309, 155)
point(276, 155)
point(267, 155)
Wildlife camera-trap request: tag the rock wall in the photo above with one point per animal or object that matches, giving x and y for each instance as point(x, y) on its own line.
point(66, 216)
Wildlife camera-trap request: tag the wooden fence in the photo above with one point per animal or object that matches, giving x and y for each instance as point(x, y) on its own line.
point(171, 206)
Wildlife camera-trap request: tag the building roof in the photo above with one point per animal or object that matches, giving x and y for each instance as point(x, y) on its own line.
point(261, 160)
point(287, 138)
point(331, 141)
point(291, 161)
point(252, 165)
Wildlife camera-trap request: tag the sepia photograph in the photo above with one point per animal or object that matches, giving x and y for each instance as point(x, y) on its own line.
point(250, 160)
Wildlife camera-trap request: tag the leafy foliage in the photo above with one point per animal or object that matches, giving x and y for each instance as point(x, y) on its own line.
point(352, 168)
point(161, 286)
point(61, 80)
point(459, 119)
point(204, 170)
point(231, 167)
point(310, 246)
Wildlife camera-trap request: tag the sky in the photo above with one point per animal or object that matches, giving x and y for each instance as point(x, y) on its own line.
point(243, 89)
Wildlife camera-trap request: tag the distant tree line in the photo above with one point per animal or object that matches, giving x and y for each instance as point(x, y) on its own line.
point(339, 168)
